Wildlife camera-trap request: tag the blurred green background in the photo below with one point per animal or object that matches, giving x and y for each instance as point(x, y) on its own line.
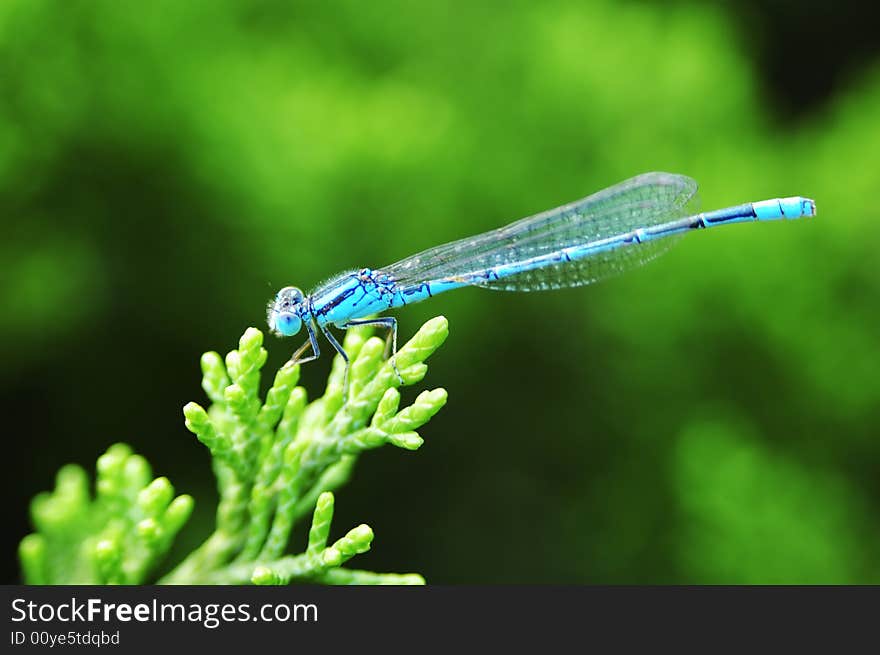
point(710, 418)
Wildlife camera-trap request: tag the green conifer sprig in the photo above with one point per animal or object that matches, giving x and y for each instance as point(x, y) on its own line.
point(275, 459)
point(117, 537)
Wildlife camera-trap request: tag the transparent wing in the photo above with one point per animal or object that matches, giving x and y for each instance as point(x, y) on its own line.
point(643, 201)
point(580, 272)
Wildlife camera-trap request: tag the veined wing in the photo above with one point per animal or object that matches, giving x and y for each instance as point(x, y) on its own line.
point(643, 201)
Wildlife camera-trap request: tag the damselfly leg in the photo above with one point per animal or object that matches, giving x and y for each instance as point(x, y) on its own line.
point(390, 324)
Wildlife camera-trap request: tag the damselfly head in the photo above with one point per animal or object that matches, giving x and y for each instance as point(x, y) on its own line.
point(285, 312)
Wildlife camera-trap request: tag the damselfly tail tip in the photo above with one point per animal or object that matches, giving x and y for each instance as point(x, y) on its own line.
point(793, 207)
point(808, 206)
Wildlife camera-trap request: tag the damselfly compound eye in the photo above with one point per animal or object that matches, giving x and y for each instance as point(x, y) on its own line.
point(286, 324)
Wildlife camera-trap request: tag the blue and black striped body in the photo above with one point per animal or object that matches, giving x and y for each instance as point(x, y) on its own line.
point(362, 293)
point(601, 235)
point(358, 294)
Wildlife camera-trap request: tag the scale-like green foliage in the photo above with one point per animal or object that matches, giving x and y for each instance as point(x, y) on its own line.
point(275, 460)
point(116, 537)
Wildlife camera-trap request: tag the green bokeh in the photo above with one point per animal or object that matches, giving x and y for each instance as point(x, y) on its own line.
point(709, 418)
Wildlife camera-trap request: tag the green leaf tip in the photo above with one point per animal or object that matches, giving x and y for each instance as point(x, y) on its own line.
point(263, 575)
point(277, 458)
